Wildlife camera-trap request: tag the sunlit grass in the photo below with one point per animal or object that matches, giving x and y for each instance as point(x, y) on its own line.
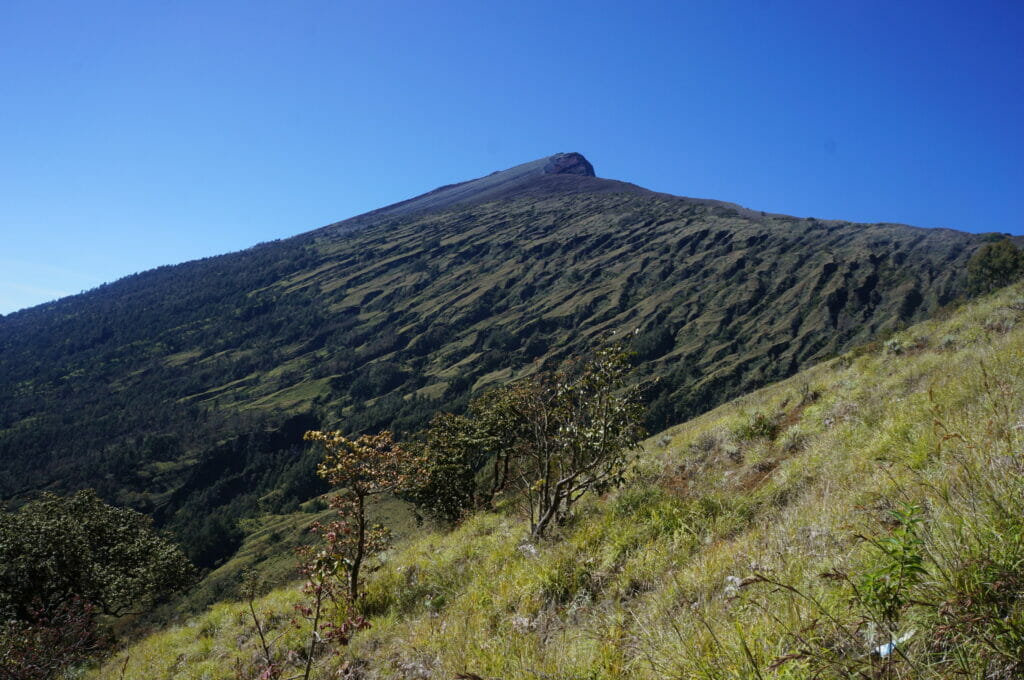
point(655, 580)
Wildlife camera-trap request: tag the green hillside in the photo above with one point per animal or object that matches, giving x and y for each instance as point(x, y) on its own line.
point(184, 391)
point(790, 533)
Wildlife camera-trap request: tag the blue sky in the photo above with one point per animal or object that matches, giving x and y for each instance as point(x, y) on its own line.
point(141, 133)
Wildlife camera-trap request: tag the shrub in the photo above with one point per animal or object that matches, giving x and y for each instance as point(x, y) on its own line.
point(65, 561)
point(994, 266)
point(368, 466)
point(552, 437)
point(759, 426)
point(567, 433)
point(453, 449)
point(55, 549)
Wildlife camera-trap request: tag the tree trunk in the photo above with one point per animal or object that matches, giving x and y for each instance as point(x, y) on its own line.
point(314, 635)
point(357, 560)
point(545, 515)
point(500, 479)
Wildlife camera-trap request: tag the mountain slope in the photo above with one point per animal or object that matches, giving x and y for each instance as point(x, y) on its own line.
point(732, 552)
point(181, 390)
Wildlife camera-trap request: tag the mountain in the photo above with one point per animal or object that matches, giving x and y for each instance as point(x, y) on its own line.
point(184, 390)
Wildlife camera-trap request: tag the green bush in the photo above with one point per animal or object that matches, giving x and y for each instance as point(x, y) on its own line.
point(994, 266)
point(55, 549)
point(759, 426)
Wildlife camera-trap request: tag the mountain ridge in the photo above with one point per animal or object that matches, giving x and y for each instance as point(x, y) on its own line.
point(537, 178)
point(159, 389)
point(522, 184)
point(498, 184)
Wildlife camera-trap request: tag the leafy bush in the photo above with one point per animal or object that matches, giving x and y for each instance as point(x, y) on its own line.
point(55, 549)
point(65, 561)
point(759, 426)
point(994, 266)
point(553, 437)
point(453, 449)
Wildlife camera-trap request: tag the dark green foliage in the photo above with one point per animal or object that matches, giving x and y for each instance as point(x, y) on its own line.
point(759, 426)
point(213, 538)
point(552, 437)
point(55, 549)
point(454, 449)
point(377, 379)
point(266, 471)
point(467, 458)
point(994, 266)
point(653, 343)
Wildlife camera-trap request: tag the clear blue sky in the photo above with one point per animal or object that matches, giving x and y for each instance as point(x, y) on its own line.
point(140, 133)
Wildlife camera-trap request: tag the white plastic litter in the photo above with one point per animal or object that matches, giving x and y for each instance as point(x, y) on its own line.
point(890, 647)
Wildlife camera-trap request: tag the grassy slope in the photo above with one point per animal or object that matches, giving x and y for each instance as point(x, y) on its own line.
point(645, 583)
point(355, 324)
point(268, 551)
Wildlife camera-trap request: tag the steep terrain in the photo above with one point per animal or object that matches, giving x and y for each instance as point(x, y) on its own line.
point(184, 390)
point(863, 519)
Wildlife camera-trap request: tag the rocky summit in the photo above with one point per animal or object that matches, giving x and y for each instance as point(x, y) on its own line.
point(568, 164)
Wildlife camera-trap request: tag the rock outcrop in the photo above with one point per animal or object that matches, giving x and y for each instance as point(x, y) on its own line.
point(569, 164)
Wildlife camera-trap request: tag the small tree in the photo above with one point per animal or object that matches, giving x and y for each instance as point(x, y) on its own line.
point(563, 434)
point(994, 266)
point(467, 459)
point(453, 450)
point(325, 618)
point(63, 563)
point(368, 466)
point(365, 467)
point(55, 549)
point(553, 436)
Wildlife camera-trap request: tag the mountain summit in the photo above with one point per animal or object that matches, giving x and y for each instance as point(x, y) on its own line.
point(568, 164)
point(501, 184)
